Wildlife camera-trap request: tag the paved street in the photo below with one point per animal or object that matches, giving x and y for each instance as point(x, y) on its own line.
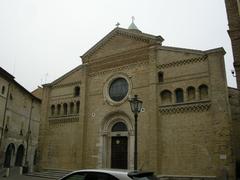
point(22, 177)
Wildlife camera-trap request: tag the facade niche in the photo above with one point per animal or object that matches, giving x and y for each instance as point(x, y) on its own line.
point(179, 95)
point(3, 89)
point(160, 76)
point(203, 92)
point(78, 106)
point(58, 109)
point(191, 94)
point(166, 97)
point(71, 108)
point(65, 109)
point(52, 110)
point(77, 91)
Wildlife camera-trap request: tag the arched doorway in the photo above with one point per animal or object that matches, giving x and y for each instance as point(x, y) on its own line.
point(8, 155)
point(20, 154)
point(119, 147)
point(117, 137)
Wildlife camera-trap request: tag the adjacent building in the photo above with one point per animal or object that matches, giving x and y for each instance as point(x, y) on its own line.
point(233, 14)
point(185, 125)
point(19, 124)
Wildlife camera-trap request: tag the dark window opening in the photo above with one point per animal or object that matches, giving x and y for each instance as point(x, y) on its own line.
point(71, 108)
point(65, 108)
point(52, 110)
point(203, 92)
point(78, 106)
point(160, 76)
point(58, 109)
point(179, 95)
point(3, 89)
point(77, 91)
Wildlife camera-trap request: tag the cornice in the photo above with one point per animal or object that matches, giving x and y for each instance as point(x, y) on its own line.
point(183, 62)
point(63, 99)
point(67, 84)
point(200, 106)
point(119, 68)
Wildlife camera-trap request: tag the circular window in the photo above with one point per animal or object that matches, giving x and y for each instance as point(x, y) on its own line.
point(118, 89)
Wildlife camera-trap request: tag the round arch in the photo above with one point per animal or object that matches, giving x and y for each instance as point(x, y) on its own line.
point(19, 156)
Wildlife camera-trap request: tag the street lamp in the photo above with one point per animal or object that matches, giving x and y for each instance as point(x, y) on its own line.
point(136, 106)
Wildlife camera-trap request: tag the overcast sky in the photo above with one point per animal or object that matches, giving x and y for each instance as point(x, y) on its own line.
point(40, 40)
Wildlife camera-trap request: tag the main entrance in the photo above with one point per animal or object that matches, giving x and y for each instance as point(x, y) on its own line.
point(119, 153)
point(118, 142)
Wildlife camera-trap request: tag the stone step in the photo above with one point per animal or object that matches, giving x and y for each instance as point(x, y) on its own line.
point(2, 172)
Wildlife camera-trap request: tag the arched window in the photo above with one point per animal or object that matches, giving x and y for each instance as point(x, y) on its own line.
point(58, 109)
point(77, 91)
point(203, 92)
point(3, 89)
point(78, 107)
point(166, 97)
point(160, 76)
point(71, 108)
point(179, 95)
point(65, 108)
point(191, 93)
point(52, 110)
point(20, 154)
point(119, 126)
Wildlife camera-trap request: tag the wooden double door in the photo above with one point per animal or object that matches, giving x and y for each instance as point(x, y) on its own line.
point(119, 152)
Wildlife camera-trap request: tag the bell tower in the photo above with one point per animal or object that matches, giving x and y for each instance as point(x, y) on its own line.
point(233, 14)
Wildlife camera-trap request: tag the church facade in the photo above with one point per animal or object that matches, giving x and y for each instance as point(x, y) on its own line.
point(184, 127)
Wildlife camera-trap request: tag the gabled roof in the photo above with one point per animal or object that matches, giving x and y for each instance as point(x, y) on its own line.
point(64, 76)
point(137, 34)
point(11, 79)
point(6, 75)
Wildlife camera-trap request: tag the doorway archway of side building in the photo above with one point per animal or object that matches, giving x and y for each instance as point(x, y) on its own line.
point(117, 139)
point(9, 155)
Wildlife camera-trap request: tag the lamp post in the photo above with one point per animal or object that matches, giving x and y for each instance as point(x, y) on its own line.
point(136, 106)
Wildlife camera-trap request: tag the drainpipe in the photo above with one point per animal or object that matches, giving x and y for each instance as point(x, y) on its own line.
point(28, 134)
point(4, 118)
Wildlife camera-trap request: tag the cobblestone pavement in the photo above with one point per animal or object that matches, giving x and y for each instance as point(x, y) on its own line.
point(22, 177)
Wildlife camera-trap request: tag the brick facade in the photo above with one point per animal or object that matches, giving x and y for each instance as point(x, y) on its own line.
point(185, 125)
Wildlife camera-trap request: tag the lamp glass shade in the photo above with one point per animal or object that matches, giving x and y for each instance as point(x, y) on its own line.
point(136, 105)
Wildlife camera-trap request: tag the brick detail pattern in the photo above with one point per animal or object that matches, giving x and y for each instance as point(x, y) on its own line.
point(184, 108)
point(53, 120)
point(182, 62)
